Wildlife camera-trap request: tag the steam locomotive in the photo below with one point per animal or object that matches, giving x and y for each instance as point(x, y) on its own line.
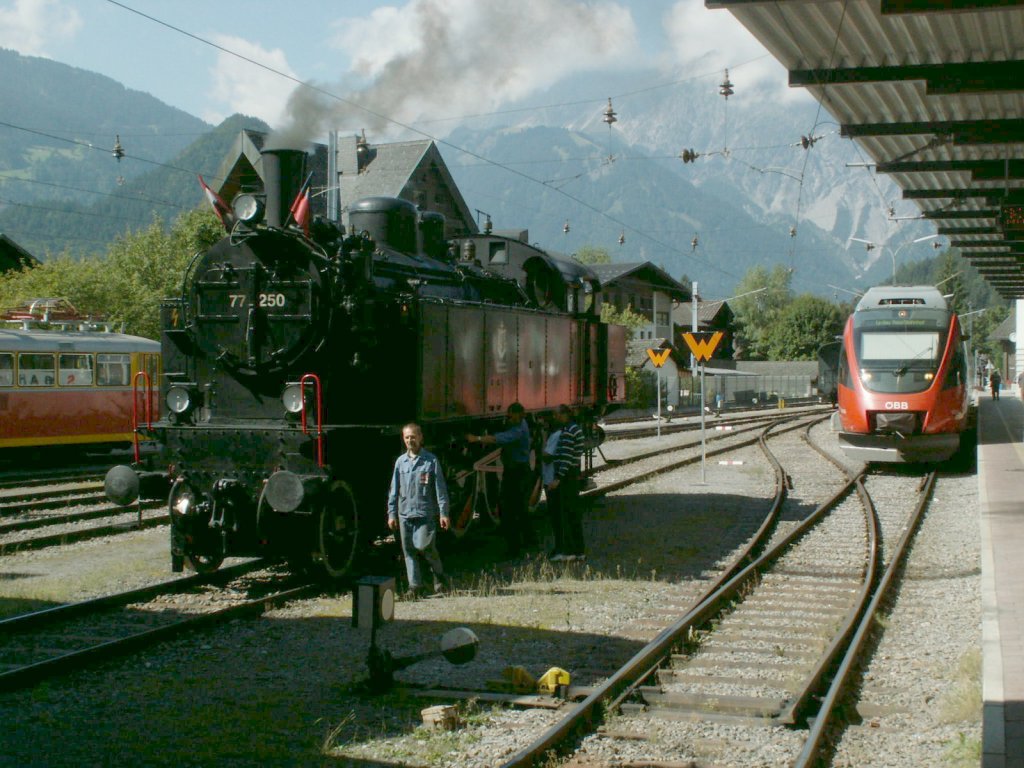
point(904, 388)
point(293, 357)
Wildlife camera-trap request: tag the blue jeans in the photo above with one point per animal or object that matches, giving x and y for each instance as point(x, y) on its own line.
point(419, 542)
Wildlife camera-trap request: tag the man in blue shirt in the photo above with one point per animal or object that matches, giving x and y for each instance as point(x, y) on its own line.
point(417, 499)
point(515, 477)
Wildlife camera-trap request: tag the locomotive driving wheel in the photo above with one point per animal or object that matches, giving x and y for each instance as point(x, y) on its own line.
point(337, 532)
point(205, 563)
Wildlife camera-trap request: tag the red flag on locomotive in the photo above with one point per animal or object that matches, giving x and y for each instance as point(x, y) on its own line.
point(227, 218)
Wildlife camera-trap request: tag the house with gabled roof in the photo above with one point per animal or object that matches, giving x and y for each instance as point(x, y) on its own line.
point(711, 316)
point(350, 169)
point(647, 289)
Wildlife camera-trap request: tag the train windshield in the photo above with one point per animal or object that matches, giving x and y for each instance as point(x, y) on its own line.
point(899, 350)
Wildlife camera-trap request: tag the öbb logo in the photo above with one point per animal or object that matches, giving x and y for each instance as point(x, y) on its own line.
point(897, 405)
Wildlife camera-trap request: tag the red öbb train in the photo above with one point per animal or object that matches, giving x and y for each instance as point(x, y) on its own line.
point(903, 378)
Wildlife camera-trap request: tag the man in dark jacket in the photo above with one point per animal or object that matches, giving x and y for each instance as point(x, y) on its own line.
point(564, 490)
point(515, 477)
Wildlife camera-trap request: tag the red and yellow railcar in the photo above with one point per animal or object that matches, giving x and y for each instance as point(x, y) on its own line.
point(68, 388)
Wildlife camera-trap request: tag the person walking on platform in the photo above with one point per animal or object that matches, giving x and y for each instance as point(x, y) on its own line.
point(418, 498)
point(564, 490)
point(994, 381)
point(515, 478)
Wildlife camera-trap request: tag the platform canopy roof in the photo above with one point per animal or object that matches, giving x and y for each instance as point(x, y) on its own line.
point(933, 90)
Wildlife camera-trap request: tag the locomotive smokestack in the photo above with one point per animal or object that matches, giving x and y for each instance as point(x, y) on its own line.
point(282, 178)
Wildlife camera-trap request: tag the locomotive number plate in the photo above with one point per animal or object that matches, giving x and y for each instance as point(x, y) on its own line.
point(264, 300)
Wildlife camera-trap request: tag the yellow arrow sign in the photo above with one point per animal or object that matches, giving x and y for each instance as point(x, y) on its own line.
point(658, 357)
point(702, 343)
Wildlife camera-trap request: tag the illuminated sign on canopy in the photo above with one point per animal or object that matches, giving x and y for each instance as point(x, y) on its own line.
point(1011, 218)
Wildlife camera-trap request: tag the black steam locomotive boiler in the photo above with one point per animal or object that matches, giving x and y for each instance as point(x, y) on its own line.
point(292, 360)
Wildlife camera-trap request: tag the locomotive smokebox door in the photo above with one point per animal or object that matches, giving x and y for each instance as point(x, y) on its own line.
point(373, 601)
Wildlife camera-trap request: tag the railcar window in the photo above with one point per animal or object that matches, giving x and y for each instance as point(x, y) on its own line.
point(35, 370)
point(75, 370)
point(6, 369)
point(113, 370)
point(900, 346)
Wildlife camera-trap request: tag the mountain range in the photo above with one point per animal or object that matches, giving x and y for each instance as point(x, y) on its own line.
point(752, 195)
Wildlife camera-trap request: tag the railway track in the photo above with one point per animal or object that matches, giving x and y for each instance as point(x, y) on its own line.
point(62, 510)
point(752, 656)
point(632, 430)
point(64, 638)
point(35, 478)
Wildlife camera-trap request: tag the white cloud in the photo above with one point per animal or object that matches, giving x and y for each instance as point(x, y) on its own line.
point(716, 40)
point(30, 26)
point(432, 58)
point(238, 86)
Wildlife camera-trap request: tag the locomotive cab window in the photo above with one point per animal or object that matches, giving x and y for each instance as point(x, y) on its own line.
point(498, 253)
point(6, 369)
point(113, 370)
point(75, 370)
point(35, 370)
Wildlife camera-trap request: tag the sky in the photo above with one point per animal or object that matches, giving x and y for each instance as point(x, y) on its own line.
point(466, 56)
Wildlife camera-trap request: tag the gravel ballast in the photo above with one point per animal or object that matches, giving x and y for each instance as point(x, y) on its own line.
point(284, 689)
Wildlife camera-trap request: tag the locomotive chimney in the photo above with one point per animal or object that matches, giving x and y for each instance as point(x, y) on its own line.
point(282, 179)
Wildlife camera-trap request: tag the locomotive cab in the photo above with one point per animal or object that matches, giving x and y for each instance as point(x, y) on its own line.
point(550, 282)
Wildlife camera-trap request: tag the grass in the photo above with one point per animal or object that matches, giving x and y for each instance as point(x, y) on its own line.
point(419, 746)
point(551, 590)
point(963, 702)
point(965, 752)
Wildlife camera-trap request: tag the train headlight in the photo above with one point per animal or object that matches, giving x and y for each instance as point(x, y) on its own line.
point(183, 500)
point(178, 400)
point(247, 208)
point(292, 398)
point(929, 375)
point(866, 376)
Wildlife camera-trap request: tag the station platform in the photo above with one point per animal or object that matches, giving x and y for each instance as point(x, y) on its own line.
point(1001, 494)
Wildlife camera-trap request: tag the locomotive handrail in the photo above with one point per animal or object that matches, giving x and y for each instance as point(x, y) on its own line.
point(147, 406)
point(319, 414)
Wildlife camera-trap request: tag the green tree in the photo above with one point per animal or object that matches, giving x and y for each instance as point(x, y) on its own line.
point(949, 280)
point(127, 284)
point(802, 327)
point(981, 326)
point(591, 254)
point(633, 321)
point(756, 313)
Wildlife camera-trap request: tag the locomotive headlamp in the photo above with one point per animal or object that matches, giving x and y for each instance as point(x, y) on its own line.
point(178, 400)
point(292, 397)
point(247, 208)
point(183, 500)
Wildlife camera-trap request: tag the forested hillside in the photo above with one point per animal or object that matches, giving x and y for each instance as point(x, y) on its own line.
point(62, 190)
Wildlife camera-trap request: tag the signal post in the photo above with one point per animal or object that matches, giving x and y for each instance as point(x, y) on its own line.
point(658, 357)
point(702, 346)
